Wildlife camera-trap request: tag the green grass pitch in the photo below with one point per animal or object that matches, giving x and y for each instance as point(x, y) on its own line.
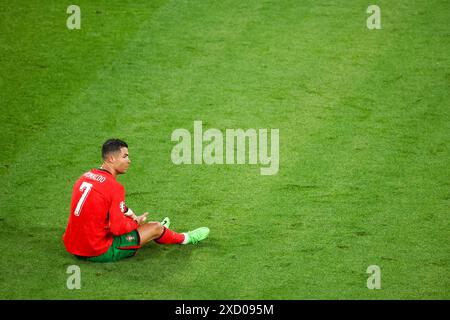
point(364, 120)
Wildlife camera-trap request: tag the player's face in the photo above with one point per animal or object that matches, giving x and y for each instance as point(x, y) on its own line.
point(121, 161)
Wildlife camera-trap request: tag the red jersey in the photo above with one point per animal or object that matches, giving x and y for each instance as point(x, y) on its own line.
point(97, 213)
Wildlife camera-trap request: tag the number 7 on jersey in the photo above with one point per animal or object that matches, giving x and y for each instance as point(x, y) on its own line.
point(85, 188)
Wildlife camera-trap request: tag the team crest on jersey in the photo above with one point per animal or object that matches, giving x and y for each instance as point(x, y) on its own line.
point(130, 238)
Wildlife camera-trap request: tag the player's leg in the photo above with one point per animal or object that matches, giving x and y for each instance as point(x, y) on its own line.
point(163, 235)
point(150, 231)
point(192, 237)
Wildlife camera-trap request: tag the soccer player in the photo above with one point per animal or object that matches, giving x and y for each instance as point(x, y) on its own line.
point(101, 227)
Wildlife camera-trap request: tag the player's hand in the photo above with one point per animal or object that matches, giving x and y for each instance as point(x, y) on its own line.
point(142, 218)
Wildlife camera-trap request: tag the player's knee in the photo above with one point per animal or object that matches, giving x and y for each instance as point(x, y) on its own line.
point(157, 228)
point(150, 231)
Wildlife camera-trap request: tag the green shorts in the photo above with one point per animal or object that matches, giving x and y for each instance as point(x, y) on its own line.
point(123, 246)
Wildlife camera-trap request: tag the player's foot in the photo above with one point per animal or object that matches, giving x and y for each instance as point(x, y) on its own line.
point(166, 222)
point(197, 235)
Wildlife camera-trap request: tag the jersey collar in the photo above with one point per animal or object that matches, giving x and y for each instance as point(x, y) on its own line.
point(104, 170)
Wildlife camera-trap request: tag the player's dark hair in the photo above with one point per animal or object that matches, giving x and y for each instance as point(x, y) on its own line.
point(112, 145)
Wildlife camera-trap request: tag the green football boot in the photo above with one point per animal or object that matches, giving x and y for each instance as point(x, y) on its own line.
point(166, 222)
point(197, 235)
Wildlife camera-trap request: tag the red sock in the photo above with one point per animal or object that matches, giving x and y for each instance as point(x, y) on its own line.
point(170, 237)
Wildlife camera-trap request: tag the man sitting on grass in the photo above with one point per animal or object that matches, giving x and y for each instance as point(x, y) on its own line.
point(101, 227)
